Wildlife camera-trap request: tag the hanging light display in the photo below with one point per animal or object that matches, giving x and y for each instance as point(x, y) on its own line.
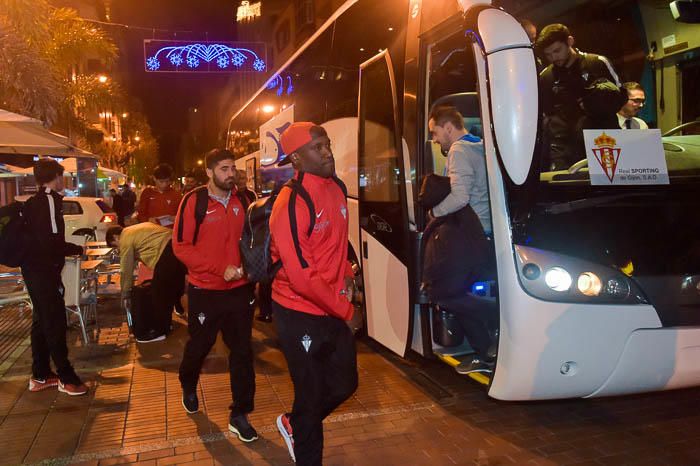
point(180, 56)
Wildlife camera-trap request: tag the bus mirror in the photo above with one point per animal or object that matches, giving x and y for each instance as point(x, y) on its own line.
point(512, 79)
point(686, 11)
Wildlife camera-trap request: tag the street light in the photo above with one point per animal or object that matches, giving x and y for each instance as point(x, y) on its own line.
point(268, 108)
point(200, 162)
point(102, 78)
point(124, 115)
point(137, 138)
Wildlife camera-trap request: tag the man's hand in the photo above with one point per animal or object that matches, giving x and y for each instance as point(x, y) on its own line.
point(349, 288)
point(233, 273)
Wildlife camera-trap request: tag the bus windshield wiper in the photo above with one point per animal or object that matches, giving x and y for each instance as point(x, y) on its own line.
point(571, 206)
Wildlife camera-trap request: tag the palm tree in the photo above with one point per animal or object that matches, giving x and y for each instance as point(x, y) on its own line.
point(39, 48)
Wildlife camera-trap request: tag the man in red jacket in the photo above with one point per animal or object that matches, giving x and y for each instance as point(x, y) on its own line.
point(220, 298)
point(158, 204)
point(312, 291)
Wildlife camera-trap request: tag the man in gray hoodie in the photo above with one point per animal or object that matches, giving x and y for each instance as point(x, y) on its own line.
point(466, 169)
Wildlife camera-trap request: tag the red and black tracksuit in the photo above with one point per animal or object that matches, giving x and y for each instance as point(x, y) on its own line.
point(214, 303)
point(311, 308)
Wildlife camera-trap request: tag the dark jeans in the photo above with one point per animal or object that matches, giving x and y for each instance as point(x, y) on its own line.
point(230, 311)
point(48, 335)
point(320, 353)
point(167, 287)
point(478, 318)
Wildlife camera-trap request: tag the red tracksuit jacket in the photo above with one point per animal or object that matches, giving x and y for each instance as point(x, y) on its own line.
point(312, 275)
point(153, 203)
point(217, 242)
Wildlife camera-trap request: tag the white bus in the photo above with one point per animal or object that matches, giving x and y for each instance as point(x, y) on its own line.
point(598, 284)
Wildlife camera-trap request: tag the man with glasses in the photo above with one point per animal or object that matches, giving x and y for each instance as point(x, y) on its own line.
point(627, 116)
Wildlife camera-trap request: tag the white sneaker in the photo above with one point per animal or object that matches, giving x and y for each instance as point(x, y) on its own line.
point(285, 429)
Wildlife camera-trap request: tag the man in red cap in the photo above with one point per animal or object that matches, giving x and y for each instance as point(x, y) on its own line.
point(312, 291)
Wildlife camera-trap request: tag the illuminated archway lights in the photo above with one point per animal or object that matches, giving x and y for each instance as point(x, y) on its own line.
point(192, 56)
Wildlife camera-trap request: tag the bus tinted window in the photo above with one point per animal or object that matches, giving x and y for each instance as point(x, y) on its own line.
point(595, 197)
point(452, 81)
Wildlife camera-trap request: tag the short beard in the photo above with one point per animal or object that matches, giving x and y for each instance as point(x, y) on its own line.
point(222, 184)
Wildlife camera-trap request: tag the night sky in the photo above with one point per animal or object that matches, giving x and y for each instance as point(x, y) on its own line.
point(167, 97)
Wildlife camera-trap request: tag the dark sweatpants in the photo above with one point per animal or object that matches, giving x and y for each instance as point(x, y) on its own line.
point(479, 319)
point(320, 353)
point(48, 335)
point(230, 311)
point(167, 287)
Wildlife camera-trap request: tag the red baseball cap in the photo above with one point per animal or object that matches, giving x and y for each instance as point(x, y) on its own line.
point(296, 135)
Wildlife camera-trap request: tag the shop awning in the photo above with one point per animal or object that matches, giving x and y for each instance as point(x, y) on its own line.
point(24, 135)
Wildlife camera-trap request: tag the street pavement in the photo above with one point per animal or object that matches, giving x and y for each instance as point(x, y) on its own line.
point(405, 412)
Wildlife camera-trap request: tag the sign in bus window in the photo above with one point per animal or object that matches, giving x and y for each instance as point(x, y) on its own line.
point(621, 157)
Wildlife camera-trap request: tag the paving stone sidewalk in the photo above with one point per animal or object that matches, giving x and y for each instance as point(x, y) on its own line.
point(404, 413)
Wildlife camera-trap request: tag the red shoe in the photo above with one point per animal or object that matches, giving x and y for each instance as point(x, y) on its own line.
point(37, 385)
point(285, 429)
point(72, 389)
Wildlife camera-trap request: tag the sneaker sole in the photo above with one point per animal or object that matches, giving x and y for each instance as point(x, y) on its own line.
point(188, 411)
point(240, 437)
point(160, 338)
point(63, 390)
point(41, 387)
point(482, 371)
point(287, 438)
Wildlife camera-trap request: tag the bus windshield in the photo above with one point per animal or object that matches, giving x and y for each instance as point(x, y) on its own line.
point(617, 177)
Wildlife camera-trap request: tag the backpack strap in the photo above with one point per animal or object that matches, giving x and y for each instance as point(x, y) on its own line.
point(200, 211)
point(341, 185)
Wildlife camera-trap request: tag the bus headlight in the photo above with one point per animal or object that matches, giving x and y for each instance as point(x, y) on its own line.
point(558, 279)
point(589, 284)
point(618, 289)
point(570, 279)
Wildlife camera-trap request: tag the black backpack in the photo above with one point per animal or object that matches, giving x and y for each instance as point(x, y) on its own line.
point(256, 238)
point(200, 209)
point(12, 234)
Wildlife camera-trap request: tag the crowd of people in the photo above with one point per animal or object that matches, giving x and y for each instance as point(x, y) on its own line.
point(171, 239)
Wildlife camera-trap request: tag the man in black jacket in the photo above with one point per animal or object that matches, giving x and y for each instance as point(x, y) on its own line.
point(42, 274)
point(563, 87)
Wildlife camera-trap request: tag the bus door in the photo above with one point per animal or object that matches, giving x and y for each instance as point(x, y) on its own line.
point(384, 230)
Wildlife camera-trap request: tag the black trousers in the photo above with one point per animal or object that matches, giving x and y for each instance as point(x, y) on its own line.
point(167, 287)
point(48, 334)
point(477, 318)
point(265, 298)
point(320, 353)
point(231, 312)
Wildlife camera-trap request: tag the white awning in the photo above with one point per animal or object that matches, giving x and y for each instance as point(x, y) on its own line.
point(23, 135)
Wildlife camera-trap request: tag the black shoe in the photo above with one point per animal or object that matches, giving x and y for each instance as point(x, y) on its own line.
point(150, 337)
point(475, 365)
point(264, 318)
point(240, 426)
point(190, 402)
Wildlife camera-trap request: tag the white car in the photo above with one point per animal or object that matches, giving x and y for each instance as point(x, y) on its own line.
point(86, 218)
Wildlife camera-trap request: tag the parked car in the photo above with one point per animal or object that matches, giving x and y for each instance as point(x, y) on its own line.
point(86, 218)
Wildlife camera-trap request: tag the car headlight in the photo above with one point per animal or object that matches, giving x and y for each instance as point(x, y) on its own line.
point(557, 277)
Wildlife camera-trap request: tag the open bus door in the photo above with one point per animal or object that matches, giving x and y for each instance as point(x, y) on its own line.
point(384, 231)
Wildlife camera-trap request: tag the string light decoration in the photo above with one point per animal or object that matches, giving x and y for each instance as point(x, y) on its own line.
point(202, 57)
point(282, 84)
point(248, 12)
